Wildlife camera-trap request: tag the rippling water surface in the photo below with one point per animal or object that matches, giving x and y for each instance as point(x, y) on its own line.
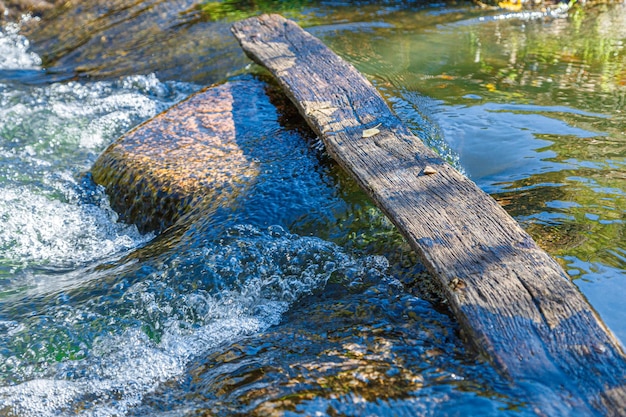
point(531, 107)
point(300, 298)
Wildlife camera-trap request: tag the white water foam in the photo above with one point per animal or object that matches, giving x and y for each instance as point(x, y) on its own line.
point(48, 135)
point(43, 230)
point(14, 51)
point(87, 115)
point(259, 274)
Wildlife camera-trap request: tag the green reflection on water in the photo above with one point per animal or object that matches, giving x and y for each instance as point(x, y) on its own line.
point(240, 9)
point(532, 108)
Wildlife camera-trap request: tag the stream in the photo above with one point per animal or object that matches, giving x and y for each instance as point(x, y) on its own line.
point(300, 298)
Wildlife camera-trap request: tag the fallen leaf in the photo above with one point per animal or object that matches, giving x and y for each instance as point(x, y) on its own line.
point(514, 6)
point(428, 170)
point(457, 284)
point(368, 133)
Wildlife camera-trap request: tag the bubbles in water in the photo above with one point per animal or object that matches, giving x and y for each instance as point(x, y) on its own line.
point(14, 49)
point(61, 116)
point(48, 135)
point(43, 230)
point(198, 301)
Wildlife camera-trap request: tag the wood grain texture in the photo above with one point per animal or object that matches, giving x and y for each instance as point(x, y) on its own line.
point(514, 302)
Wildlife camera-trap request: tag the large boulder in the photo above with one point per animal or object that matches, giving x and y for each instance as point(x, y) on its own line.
point(183, 157)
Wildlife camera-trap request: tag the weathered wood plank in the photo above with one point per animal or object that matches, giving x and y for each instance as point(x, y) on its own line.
point(516, 304)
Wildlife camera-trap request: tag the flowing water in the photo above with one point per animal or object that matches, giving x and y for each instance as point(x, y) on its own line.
point(300, 298)
point(532, 106)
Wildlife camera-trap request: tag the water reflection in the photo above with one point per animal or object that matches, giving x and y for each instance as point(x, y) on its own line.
point(531, 107)
point(360, 351)
point(302, 298)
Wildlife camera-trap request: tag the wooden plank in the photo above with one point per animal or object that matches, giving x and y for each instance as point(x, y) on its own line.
point(515, 303)
point(187, 157)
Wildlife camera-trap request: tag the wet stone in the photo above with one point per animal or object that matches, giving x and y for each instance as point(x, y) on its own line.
point(187, 158)
point(12, 9)
point(342, 351)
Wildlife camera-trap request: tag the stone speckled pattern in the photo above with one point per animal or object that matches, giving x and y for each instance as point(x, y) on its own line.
point(187, 155)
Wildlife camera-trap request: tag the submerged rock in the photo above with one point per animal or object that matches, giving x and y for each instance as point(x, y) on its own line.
point(13, 9)
point(191, 153)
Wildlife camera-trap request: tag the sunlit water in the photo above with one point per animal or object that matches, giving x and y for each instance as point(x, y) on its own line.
point(531, 106)
point(97, 319)
point(301, 298)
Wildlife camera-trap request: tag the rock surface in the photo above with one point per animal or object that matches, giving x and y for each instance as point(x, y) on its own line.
point(12, 9)
point(185, 158)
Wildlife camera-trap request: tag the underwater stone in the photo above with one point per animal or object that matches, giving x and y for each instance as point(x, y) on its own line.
point(184, 157)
